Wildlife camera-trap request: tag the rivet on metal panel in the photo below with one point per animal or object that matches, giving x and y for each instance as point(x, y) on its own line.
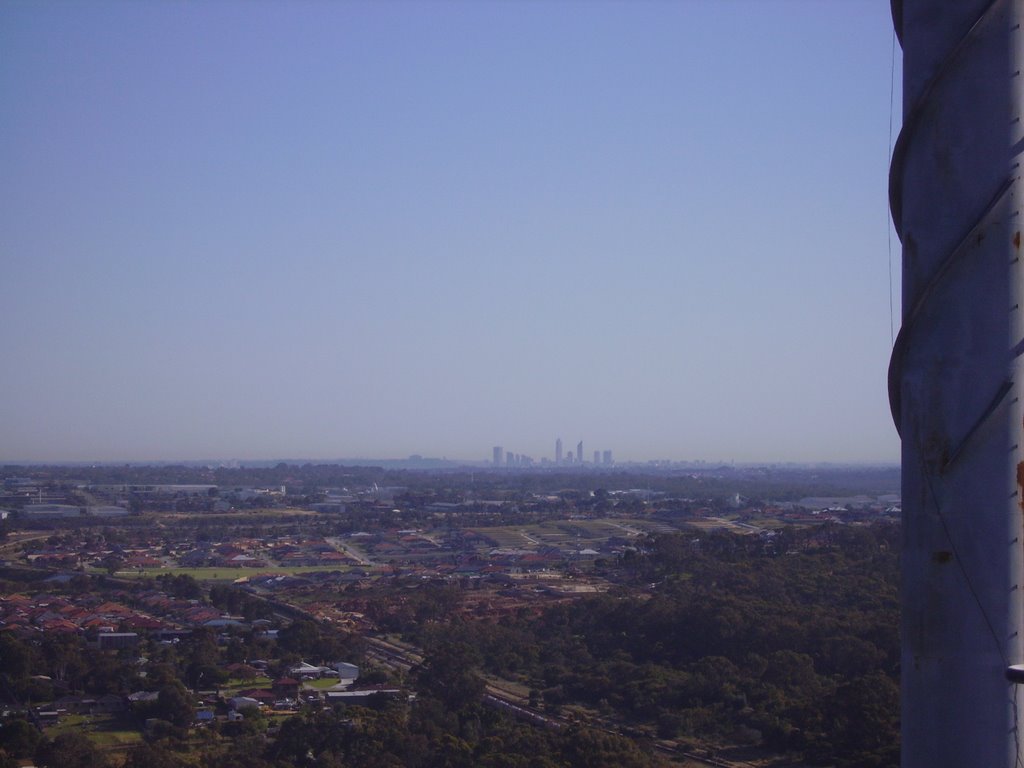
point(1020, 480)
point(1016, 239)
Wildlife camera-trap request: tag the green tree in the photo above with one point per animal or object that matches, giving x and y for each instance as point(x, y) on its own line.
point(153, 756)
point(19, 738)
point(301, 637)
point(175, 704)
point(63, 658)
point(15, 657)
point(108, 674)
point(449, 674)
point(864, 727)
point(70, 750)
point(112, 564)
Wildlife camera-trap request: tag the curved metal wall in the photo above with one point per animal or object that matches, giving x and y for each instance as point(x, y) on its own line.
point(955, 381)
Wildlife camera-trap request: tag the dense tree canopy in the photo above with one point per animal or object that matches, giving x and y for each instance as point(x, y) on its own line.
point(790, 643)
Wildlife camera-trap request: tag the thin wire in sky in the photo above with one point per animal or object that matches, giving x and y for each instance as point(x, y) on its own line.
point(888, 221)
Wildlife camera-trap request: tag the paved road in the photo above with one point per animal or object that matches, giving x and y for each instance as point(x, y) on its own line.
point(352, 552)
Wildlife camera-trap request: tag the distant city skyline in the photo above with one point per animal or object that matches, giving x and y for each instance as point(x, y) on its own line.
point(500, 457)
point(428, 461)
point(321, 230)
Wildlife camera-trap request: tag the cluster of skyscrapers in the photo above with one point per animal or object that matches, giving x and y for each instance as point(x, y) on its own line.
point(502, 459)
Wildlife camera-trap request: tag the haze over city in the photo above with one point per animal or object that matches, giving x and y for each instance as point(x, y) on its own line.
point(326, 230)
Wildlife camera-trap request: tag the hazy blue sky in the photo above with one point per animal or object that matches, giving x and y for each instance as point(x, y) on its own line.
point(271, 229)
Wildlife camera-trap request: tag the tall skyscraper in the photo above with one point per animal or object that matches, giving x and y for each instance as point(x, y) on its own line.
point(597, 458)
point(579, 451)
point(499, 455)
point(558, 451)
point(607, 457)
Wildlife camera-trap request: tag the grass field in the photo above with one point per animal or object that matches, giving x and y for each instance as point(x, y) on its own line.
point(321, 684)
point(506, 538)
point(104, 730)
point(222, 574)
point(719, 524)
point(238, 684)
point(222, 517)
point(768, 522)
point(592, 529)
point(116, 738)
point(652, 526)
point(564, 533)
